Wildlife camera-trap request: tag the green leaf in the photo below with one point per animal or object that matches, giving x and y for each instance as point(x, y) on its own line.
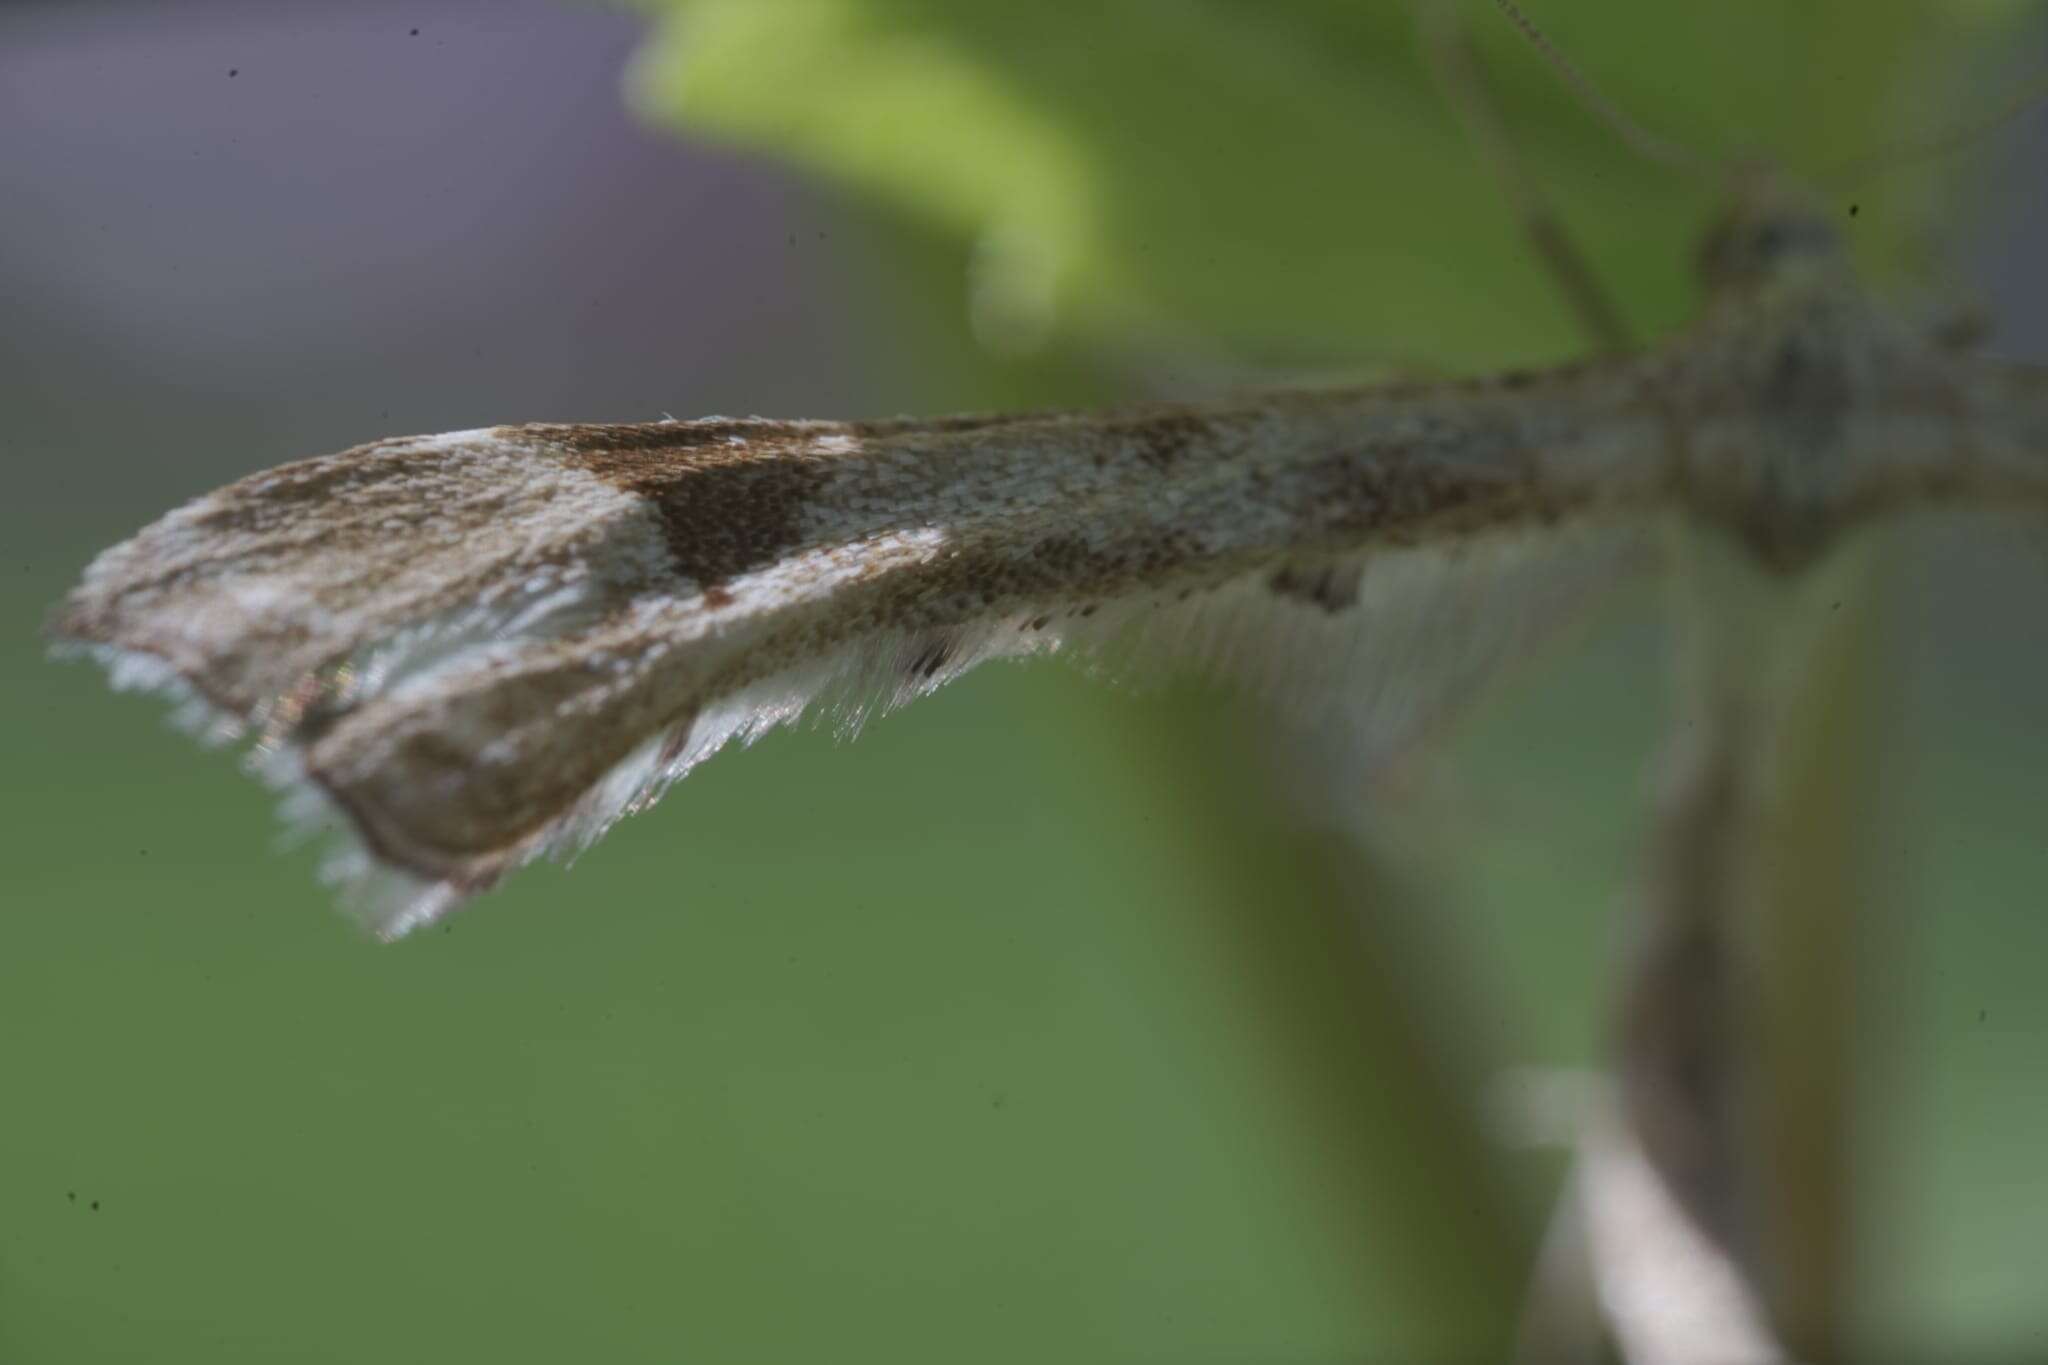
point(1287, 179)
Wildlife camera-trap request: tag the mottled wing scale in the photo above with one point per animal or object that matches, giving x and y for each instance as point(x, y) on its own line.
point(467, 651)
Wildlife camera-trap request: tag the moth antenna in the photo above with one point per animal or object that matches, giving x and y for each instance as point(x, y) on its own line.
point(1869, 166)
point(1457, 70)
point(1651, 146)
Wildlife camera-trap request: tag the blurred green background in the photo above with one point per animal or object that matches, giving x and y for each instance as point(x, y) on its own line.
point(1031, 1026)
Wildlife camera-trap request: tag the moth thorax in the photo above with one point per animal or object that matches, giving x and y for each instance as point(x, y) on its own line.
point(1766, 239)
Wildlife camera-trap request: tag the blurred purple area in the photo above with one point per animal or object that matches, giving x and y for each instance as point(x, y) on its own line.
point(309, 225)
point(2008, 197)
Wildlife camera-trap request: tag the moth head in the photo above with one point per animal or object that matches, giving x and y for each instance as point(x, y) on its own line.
point(1771, 237)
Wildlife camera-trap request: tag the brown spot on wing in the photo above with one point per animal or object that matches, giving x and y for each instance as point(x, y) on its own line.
point(1163, 437)
point(1403, 498)
point(732, 494)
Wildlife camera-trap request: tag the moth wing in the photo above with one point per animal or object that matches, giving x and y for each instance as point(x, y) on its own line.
point(466, 652)
point(1376, 652)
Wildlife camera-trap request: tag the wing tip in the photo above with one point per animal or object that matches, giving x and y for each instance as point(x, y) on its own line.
point(387, 899)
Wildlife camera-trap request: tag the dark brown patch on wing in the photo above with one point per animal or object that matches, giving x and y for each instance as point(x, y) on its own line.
point(1401, 500)
point(732, 494)
point(1163, 437)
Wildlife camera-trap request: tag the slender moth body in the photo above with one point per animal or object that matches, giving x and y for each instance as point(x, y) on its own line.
point(474, 649)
